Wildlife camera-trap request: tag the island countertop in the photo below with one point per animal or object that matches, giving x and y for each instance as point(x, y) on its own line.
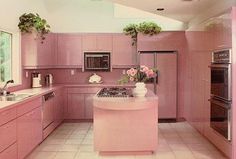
point(126, 103)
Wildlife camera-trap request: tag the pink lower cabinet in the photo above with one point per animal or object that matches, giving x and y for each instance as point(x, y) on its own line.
point(8, 136)
point(75, 106)
point(58, 107)
point(88, 103)
point(79, 102)
point(9, 153)
point(29, 131)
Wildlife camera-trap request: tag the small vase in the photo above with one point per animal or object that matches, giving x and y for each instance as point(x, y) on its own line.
point(140, 89)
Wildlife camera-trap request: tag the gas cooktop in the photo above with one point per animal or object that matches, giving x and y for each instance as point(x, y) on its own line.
point(115, 92)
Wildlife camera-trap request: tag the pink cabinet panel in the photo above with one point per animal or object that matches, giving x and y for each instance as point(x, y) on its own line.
point(168, 40)
point(7, 135)
point(97, 42)
point(28, 106)
point(75, 106)
point(58, 107)
point(48, 112)
point(46, 51)
point(89, 106)
point(89, 42)
point(10, 153)
point(79, 102)
point(104, 42)
point(167, 82)
point(123, 54)
point(29, 132)
point(69, 49)
point(7, 115)
point(36, 54)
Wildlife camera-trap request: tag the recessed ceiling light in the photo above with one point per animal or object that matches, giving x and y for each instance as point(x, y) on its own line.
point(160, 9)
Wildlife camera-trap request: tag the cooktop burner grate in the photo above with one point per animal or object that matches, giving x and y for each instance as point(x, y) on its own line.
point(115, 92)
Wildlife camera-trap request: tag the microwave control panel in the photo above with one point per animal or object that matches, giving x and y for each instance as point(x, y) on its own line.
point(223, 56)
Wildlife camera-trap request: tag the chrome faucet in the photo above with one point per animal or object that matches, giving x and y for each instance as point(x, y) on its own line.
point(3, 90)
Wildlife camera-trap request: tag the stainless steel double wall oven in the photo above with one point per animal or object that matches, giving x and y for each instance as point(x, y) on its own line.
point(221, 92)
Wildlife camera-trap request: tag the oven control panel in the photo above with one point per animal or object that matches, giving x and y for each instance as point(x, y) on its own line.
point(223, 56)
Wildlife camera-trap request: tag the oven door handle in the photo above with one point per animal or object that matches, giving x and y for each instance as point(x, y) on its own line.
point(223, 104)
point(219, 66)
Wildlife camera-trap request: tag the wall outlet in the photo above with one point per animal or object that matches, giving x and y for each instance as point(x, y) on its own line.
point(26, 74)
point(72, 72)
point(124, 72)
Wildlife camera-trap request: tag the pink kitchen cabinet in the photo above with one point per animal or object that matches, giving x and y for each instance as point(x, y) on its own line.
point(76, 108)
point(58, 107)
point(36, 54)
point(10, 153)
point(69, 50)
point(123, 54)
point(8, 136)
point(88, 100)
point(97, 42)
point(80, 102)
point(29, 132)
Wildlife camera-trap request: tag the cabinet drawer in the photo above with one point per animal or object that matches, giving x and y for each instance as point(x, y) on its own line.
point(83, 90)
point(9, 153)
point(26, 107)
point(7, 115)
point(7, 135)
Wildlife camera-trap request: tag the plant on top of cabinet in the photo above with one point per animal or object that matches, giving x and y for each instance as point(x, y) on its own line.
point(146, 28)
point(30, 23)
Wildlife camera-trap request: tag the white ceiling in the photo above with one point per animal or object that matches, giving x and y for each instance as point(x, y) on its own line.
point(183, 10)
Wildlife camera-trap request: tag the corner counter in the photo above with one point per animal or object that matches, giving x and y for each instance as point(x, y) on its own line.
point(126, 125)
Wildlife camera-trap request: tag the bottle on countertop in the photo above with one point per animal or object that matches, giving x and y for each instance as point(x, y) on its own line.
point(48, 79)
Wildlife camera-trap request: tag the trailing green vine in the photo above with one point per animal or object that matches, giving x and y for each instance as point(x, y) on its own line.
point(33, 23)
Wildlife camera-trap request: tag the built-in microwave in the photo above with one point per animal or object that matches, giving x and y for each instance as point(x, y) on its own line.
point(97, 61)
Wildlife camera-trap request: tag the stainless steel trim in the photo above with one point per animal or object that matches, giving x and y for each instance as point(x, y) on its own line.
point(93, 68)
point(219, 65)
point(93, 55)
point(229, 124)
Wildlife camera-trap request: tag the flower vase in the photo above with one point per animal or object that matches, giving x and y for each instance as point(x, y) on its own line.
point(140, 89)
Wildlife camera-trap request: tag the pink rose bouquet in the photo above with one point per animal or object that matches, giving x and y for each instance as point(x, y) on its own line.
point(140, 74)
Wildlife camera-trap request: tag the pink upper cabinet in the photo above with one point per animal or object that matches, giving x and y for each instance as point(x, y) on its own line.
point(124, 54)
point(168, 40)
point(37, 54)
point(97, 42)
point(69, 49)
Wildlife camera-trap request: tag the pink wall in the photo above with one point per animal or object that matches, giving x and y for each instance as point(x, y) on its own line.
point(63, 76)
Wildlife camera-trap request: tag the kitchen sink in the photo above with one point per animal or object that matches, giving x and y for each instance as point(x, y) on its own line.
point(14, 97)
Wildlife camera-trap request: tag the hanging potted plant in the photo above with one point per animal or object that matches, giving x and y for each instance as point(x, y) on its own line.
point(146, 28)
point(30, 23)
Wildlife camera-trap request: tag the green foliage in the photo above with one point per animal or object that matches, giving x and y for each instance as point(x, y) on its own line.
point(33, 22)
point(131, 30)
point(149, 28)
point(146, 28)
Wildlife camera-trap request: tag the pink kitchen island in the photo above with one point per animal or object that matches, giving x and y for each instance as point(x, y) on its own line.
point(126, 125)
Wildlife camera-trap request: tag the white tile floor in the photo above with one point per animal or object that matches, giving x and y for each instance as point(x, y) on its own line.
point(176, 141)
